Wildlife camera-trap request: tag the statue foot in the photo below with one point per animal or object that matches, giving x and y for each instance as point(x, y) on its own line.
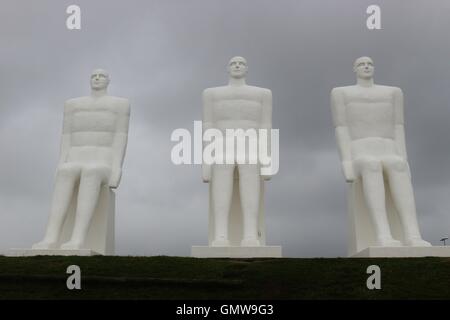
point(250, 243)
point(220, 243)
point(417, 242)
point(44, 245)
point(71, 246)
point(388, 242)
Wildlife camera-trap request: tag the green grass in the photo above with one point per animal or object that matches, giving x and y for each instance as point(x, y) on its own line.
point(189, 278)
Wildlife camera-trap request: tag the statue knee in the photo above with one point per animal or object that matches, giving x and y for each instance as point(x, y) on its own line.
point(96, 172)
point(398, 165)
point(90, 173)
point(370, 166)
point(67, 171)
point(248, 172)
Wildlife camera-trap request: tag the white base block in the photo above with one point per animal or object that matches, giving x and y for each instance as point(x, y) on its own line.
point(403, 252)
point(236, 252)
point(51, 252)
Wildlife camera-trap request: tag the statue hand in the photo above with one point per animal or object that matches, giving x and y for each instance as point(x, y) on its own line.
point(206, 173)
point(349, 172)
point(409, 168)
point(266, 177)
point(266, 171)
point(115, 177)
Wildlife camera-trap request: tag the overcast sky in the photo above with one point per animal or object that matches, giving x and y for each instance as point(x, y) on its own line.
point(162, 54)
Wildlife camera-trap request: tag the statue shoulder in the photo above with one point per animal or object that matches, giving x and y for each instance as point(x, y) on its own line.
point(390, 89)
point(339, 91)
point(259, 92)
point(266, 93)
point(344, 89)
point(257, 89)
point(263, 91)
point(120, 101)
point(397, 90)
point(211, 91)
point(73, 102)
point(122, 104)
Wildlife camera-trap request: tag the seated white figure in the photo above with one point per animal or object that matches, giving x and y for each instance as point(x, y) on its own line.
point(369, 125)
point(94, 140)
point(236, 190)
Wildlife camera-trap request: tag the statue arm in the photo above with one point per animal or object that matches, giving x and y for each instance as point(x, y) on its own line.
point(342, 133)
point(207, 123)
point(119, 145)
point(266, 122)
point(399, 124)
point(66, 138)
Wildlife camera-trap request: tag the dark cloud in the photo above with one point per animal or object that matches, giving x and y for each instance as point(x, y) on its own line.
point(162, 54)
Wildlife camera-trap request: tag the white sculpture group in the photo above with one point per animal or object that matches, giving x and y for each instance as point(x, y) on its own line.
point(369, 124)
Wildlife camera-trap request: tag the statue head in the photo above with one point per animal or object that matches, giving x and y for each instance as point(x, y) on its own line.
point(237, 67)
point(363, 67)
point(99, 79)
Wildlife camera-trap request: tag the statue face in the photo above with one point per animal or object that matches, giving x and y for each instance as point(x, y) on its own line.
point(237, 67)
point(99, 79)
point(363, 67)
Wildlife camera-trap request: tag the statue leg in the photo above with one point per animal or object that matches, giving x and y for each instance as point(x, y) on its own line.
point(222, 192)
point(371, 172)
point(403, 196)
point(66, 178)
point(249, 187)
point(90, 184)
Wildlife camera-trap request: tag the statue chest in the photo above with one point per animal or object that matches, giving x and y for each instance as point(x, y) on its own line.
point(237, 109)
point(371, 119)
point(95, 119)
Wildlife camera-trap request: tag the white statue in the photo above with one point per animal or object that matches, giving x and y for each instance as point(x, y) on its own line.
point(236, 190)
point(371, 139)
point(94, 140)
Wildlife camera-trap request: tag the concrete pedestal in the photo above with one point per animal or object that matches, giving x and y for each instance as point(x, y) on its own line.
point(51, 252)
point(403, 252)
point(236, 252)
